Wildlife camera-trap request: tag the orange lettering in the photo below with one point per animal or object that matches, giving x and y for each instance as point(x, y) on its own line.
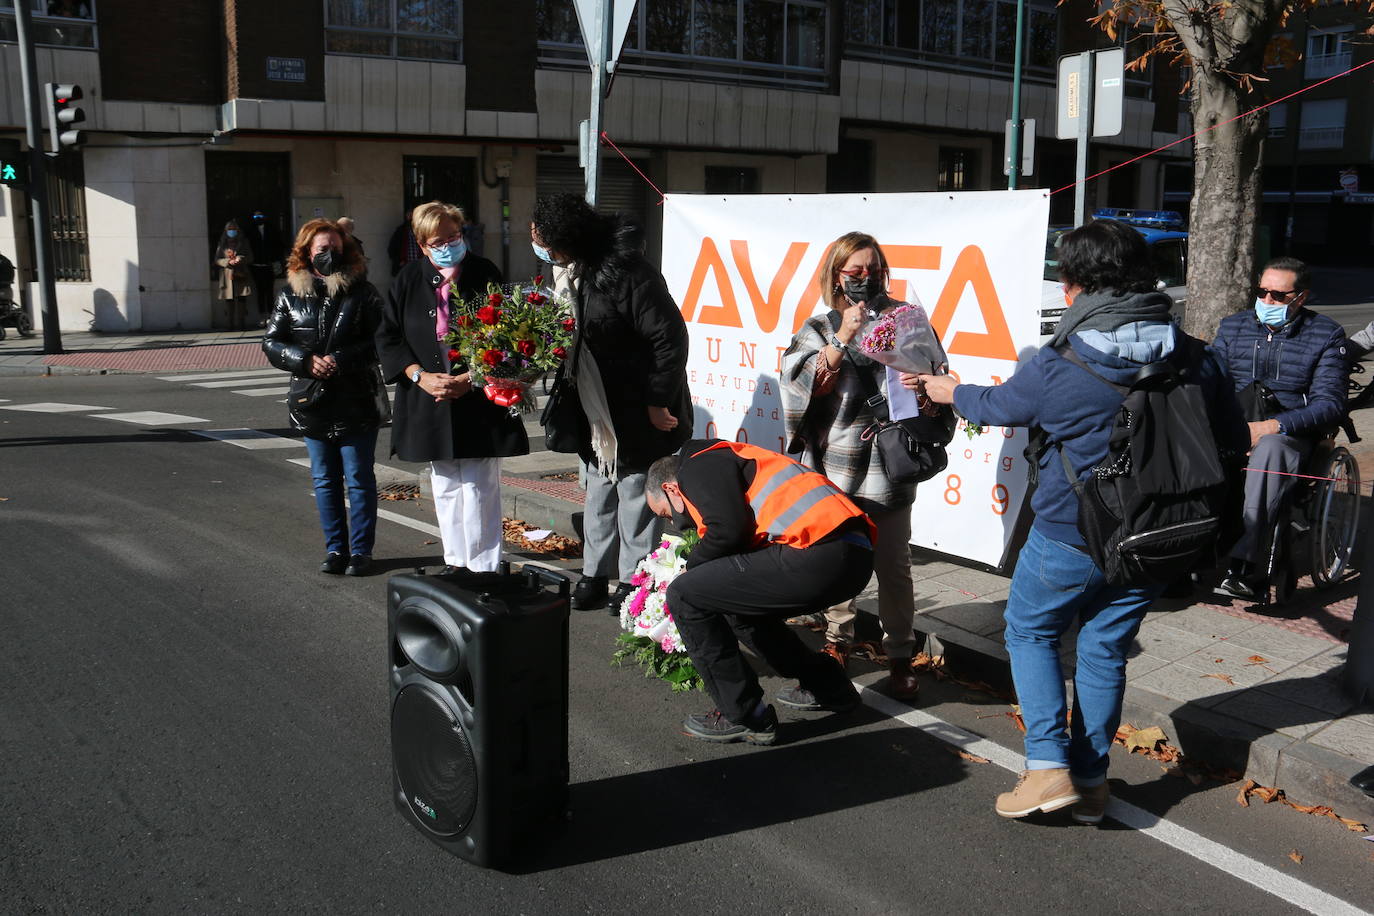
point(746, 352)
point(971, 269)
point(909, 257)
point(726, 314)
point(767, 310)
point(811, 296)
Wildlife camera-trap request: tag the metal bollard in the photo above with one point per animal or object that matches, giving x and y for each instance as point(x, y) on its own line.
point(1358, 678)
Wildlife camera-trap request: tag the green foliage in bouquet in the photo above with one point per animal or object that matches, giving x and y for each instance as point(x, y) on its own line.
point(676, 667)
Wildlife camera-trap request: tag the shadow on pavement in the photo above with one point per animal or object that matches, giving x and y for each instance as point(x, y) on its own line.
point(144, 437)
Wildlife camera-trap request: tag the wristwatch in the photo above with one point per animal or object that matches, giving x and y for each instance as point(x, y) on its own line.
point(837, 343)
point(415, 376)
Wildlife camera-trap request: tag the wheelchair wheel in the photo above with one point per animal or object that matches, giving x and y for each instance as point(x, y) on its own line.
point(1334, 514)
point(24, 326)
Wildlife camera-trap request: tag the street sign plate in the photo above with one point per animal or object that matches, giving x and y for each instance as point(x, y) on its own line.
point(1027, 148)
point(590, 22)
point(1109, 70)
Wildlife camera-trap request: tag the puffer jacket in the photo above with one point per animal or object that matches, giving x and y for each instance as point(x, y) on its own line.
point(1303, 363)
point(338, 317)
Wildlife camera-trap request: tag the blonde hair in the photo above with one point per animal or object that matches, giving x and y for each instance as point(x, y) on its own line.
point(841, 250)
point(425, 219)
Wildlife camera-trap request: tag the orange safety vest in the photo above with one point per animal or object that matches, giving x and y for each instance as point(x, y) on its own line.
point(793, 505)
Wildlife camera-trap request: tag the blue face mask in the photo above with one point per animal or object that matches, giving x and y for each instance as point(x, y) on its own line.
point(232, 233)
point(449, 255)
point(1272, 315)
point(542, 253)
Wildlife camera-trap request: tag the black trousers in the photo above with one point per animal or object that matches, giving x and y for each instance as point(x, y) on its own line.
point(748, 598)
point(262, 279)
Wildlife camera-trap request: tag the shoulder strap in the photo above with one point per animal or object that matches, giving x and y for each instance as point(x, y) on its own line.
point(1066, 351)
point(872, 396)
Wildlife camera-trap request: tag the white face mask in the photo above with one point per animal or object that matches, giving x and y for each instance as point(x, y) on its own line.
point(1272, 315)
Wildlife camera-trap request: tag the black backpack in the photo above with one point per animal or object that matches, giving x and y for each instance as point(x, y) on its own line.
point(6, 271)
point(1153, 508)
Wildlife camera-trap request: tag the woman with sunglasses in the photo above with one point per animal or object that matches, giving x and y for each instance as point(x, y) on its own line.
point(825, 397)
point(438, 418)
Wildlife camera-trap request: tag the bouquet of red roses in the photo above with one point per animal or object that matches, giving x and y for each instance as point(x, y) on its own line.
point(509, 338)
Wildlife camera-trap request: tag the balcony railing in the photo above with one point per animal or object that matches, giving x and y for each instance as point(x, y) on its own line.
point(1320, 66)
point(1321, 138)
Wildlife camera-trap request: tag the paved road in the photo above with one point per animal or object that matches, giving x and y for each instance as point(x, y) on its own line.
point(193, 719)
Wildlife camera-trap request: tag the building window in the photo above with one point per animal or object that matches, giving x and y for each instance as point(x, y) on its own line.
point(56, 23)
point(1322, 125)
point(729, 179)
point(67, 197)
point(958, 169)
point(776, 41)
point(1328, 53)
point(419, 29)
point(1278, 119)
point(981, 32)
point(871, 22)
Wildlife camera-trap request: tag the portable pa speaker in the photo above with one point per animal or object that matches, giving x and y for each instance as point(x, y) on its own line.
point(478, 665)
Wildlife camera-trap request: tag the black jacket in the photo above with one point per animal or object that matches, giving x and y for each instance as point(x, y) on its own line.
point(471, 426)
point(633, 328)
point(337, 317)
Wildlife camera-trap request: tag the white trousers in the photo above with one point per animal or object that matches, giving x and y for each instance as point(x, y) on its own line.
point(467, 501)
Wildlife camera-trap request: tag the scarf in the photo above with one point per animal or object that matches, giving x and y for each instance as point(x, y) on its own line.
point(591, 391)
point(1107, 310)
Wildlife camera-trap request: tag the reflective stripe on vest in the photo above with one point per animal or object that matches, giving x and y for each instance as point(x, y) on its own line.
point(792, 504)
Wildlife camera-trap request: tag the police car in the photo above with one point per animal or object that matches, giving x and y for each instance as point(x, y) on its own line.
point(1168, 243)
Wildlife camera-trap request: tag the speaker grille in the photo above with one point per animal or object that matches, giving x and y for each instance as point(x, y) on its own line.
point(433, 760)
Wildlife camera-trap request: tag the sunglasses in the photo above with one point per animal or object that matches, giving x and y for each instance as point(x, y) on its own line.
point(1278, 295)
point(857, 273)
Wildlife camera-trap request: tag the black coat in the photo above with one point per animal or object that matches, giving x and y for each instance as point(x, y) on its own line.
point(338, 317)
point(469, 427)
point(633, 328)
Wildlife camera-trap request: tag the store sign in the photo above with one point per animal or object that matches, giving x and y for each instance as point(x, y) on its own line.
point(745, 271)
point(286, 69)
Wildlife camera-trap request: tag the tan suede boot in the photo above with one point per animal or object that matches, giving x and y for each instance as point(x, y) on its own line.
point(1038, 790)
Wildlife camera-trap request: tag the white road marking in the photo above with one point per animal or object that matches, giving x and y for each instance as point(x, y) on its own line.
point(276, 377)
point(52, 407)
point(203, 376)
point(263, 392)
point(1215, 854)
point(400, 519)
point(151, 418)
point(249, 438)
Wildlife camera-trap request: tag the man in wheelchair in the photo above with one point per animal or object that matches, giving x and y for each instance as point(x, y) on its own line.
point(1289, 367)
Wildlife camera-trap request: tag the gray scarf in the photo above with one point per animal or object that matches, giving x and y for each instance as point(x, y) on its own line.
point(1107, 310)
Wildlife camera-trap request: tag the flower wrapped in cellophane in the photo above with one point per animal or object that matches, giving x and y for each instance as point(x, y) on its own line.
point(509, 338)
point(900, 336)
point(651, 637)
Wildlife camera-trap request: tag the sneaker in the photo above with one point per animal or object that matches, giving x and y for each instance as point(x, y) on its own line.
point(589, 593)
point(1092, 803)
point(799, 697)
point(358, 565)
point(622, 591)
point(713, 726)
point(334, 563)
point(1038, 790)
point(1237, 587)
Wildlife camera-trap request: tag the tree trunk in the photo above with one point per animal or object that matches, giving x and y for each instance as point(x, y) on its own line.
point(1226, 202)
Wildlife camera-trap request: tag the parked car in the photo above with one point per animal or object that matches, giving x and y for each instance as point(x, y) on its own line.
point(1168, 243)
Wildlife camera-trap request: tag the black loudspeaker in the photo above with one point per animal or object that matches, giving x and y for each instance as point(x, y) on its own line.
point(478, 666)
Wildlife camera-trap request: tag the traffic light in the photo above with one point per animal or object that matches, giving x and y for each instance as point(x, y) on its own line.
point(62, 114)
point(14, 164)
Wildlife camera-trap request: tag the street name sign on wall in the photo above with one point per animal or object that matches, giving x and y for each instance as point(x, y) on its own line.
point(286, 69)
point(744, 270)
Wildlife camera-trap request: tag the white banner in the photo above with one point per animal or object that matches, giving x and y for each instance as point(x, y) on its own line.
point(744, 272)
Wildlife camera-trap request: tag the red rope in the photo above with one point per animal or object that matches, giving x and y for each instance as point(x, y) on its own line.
point(1213, 127)
point(1303, 476)
point(611, 143)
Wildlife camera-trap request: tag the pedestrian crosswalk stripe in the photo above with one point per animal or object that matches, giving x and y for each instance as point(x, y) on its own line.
point(263, 392)
point(204, 376)
point(53, 407)
point(151, 418)
point(249, 438)
point(240, 382)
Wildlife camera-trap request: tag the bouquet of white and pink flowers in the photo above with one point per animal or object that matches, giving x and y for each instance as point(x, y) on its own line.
point(901, 337)
point(651, 636)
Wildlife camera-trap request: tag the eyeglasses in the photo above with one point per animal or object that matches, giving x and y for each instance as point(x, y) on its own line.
point(858, 273)
point(1278, 295)
point(441, 243)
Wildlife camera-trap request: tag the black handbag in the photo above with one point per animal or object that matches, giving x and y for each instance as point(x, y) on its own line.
point(911, 450)
point(566, 429)
point(1258, 403)
point(305, 393)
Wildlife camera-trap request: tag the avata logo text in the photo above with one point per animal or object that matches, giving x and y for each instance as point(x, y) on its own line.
point(970, 270)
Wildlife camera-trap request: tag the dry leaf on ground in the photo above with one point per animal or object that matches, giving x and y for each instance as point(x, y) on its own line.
point(965, 755)
point(1257, 660)
point(1224, 678)
point(1145, 739)
point(1295, 856)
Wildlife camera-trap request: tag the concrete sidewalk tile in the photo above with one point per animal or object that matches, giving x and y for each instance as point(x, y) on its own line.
point(1205, 735)
point(1313, 774)
point(1278, 643)
point(1352, 736)
point(1274, 713)
point(1185, 685)
point(930, 568)
point(1143, 664)
point(1234, 663)
point(985, 619)
point(1164, 641)
point(1207, 622)
point(973, 582)
point(1312, 687)
point(1333, 658)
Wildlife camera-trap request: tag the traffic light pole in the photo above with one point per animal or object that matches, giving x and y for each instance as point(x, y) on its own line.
point(38, 183)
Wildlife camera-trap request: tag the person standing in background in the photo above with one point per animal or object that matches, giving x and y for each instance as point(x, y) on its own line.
point(233, 256)
point(267, 261)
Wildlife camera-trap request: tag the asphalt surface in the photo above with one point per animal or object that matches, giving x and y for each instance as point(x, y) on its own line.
point(193, 719)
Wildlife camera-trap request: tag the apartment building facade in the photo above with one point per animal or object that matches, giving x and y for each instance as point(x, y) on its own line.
point(200, 113)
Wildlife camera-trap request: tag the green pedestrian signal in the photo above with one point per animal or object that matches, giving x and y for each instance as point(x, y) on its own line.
point(14, 164)
point(7, 173)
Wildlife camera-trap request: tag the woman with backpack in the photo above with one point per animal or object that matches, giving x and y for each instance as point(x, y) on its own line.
point(1117, 323)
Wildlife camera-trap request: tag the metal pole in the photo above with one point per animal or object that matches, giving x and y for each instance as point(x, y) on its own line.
point(38, 183)
point(605, 10)
point(1359, 657)
point(1085, 127)
point(1014, 167)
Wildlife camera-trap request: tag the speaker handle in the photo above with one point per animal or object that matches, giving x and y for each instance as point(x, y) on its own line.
point(539, 574)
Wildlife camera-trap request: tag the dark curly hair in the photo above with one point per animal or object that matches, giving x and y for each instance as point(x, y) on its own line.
point(1105, 254)
point(603, 244)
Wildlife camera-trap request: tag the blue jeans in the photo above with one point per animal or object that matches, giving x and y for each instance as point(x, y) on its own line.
point(336, 464)
point(1054, 584)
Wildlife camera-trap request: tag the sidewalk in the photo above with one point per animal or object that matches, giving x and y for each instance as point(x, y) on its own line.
point(1255, 690)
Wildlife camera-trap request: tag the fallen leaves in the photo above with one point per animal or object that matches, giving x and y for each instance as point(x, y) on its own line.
point(513, 530)
point(1143, 738)
point(1268, 794)
point(965, 755)
point(1224, 678)
point(1295, 856)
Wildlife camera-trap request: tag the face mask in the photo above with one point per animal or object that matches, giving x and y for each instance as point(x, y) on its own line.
point(861, 289)
point(545, 255)
point(323, 262)
point(1272, 315)
point(259, 218)
point(232, 233)
point(681, 520)
point(449, 255)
